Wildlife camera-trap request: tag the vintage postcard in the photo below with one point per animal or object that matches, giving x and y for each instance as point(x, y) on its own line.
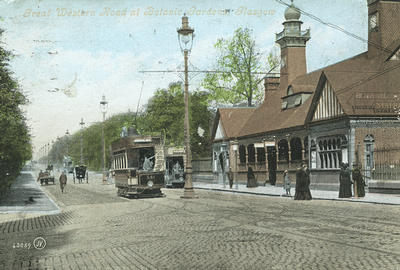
point(199, 134)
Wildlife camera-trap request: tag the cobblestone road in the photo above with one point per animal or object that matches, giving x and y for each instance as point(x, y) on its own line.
point(98, 230)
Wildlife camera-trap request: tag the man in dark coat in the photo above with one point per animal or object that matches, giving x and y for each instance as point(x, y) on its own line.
point(345, 182)
point(303, 184)
point(63, 181)
point(251, 179)
point(358, 181)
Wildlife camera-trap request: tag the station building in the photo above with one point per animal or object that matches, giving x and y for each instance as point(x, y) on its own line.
point(346, 112)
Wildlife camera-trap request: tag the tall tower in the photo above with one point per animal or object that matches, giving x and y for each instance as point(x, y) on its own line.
point(383, 25)
point(292, 41)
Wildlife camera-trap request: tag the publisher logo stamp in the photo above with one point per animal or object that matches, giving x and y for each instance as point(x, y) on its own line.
point(39, 243)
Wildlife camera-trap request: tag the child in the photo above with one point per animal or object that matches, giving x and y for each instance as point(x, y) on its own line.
point(286, 182)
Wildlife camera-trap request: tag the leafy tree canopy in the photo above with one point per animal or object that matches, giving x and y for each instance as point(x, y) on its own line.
point(238, 63)
point(164, 114)
point(15, 144)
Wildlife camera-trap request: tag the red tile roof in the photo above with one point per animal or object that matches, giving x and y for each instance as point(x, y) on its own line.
point(232, 120)
point(359, 83)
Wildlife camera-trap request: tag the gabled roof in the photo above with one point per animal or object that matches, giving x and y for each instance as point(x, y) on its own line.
point(231, 120)
point(360, 83)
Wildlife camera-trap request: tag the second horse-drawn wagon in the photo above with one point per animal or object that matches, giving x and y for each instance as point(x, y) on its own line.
point(81, 174)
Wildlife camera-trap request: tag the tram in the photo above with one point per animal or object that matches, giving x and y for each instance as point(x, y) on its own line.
point(138, 166)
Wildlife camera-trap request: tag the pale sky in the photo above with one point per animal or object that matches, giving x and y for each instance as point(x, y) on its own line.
point(65, 63)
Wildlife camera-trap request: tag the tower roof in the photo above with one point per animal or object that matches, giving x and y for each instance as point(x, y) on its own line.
point(292, 13)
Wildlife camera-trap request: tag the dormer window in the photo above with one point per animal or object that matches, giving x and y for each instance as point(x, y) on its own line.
point(297, 101)
point(373, 22)
point(290, 91)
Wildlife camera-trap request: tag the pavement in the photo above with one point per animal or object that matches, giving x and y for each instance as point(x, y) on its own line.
point(268, 190)
point(23, 188)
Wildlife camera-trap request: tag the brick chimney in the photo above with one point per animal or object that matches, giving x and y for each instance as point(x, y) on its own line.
point(292, 41)
point(271, 83)
point(383, 24)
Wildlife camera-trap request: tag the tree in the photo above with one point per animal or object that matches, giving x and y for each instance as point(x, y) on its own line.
point(15, 144)
point(91, 142)
point(239, 62)
point(165, 113)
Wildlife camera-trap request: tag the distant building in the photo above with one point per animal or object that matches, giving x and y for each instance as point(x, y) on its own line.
point(346, 112)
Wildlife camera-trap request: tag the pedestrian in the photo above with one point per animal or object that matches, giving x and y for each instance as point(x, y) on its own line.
point(303, 184)
point(230, 177)
point(358, 181)
point(344, 182)
point(286, 182)
point(63, 181)
point(251, 179)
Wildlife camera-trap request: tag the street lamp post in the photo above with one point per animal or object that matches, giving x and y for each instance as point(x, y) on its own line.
point(235, 148)
point(104, 107)
point(81, 123)
point(185, 37)
point(66, 137)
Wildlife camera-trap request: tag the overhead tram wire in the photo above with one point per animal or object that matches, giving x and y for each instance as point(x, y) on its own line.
point(360, 82)
point(334, 26)
point(342, 90)
point(203, 71)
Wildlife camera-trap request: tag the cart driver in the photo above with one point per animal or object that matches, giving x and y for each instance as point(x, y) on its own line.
point(40, 175)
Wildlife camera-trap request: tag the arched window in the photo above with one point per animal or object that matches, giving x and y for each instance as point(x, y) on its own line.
point(242, 154)
point(295, 147)
point(251, 154)
point(329, 152)
point(261, 155)
point(283, 150)
point(369, 143)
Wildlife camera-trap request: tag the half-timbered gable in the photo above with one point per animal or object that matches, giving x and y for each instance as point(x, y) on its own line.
point(328, 104)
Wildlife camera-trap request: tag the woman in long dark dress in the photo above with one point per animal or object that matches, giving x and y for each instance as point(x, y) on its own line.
point(345, 182)
point(251, 179)
point(303, 184)
point(358, 182)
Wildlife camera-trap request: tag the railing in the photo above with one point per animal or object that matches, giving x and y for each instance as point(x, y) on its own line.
point(385, 172)
point(286, 33)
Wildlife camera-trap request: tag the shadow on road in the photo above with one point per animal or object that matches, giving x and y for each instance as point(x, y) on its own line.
point(25, 195)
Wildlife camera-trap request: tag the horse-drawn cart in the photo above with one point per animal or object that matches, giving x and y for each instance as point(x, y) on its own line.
point(46, 176)
point(80, 174)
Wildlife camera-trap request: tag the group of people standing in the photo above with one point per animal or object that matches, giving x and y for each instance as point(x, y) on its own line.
point(346, 179)
point(302, 183)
